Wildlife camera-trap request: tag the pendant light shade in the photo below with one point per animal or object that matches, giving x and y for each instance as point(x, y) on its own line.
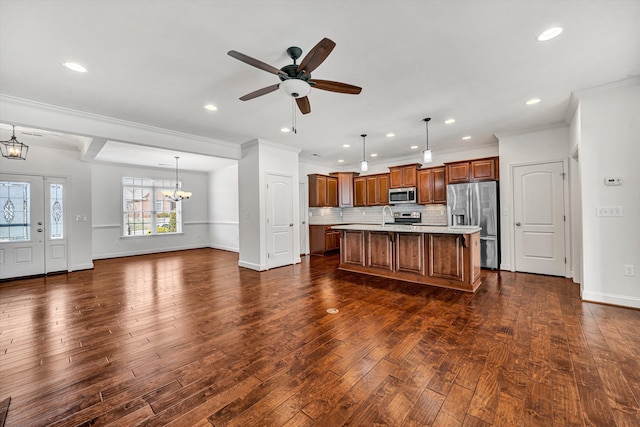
point(14, 149)
point(177, 194)
point(364, 165)
point(426, 153)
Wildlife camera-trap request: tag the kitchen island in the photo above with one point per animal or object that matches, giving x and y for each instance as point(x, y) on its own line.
point(433, 255)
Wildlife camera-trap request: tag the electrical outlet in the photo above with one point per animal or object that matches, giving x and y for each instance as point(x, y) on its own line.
point(629, 270)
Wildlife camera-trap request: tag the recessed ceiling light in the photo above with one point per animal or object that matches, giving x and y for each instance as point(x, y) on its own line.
point(340, 161)
point(211, 107)
point(75, 67)
point(533, 101)
point(550, 33)
point(414, 147)
point(346, 145)
point(374, 155)
point(391, 135)
point(466, 137)
point(449, 121)
point(285, 130)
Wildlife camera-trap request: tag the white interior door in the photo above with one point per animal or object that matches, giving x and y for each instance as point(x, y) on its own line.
point(22, 226)
point(539, 218)
point(279, 201)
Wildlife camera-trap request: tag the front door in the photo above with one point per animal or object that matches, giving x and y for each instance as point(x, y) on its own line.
point(279, 220)
point(539, 218)
point(32, 226)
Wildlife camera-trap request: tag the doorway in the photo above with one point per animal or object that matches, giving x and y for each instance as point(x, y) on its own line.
point(33, 232)
point(539, 218)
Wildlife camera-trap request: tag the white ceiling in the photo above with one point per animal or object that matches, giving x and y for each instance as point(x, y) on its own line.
point(158, 62)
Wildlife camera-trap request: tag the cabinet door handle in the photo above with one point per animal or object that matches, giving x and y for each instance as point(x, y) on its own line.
point(291, 225)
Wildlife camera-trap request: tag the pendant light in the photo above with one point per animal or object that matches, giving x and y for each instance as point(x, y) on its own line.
point(14, 149)
point(364, 165)
point(426, 154)
point(177, 194)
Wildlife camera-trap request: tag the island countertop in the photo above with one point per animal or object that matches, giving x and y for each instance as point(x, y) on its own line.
point(408, 228)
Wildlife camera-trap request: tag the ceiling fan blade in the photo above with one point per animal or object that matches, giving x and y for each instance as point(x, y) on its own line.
point(303, 105)
point(335, 86)
point(260, 92)
point(316, 56)
point(255, 63)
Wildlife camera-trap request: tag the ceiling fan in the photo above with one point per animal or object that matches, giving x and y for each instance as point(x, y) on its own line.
point(295, 78)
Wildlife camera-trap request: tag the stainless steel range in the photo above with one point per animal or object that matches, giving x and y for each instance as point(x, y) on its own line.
point(407, 217)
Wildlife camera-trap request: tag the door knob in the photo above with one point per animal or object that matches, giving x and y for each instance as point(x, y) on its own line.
point(39, 230)
point(39, 222)
point(291, 225)
point(517, 224)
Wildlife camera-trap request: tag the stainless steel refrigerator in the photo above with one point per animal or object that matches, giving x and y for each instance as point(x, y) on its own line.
point(477, 204)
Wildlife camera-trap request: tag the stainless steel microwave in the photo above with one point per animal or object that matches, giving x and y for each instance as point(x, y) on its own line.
point(402, 195)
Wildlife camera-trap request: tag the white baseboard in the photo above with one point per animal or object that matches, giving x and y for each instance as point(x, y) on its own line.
point(147, 251)
point(621, 300)
point(252, 266)
point(506, 267)
point(78, 267)
point(225, 248)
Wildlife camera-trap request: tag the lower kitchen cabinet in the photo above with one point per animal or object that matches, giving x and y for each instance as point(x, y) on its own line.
point(380, 250)
point(323, 239)
point(439, 259)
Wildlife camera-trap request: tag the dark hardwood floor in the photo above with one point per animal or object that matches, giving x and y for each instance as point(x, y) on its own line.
point(188, 338)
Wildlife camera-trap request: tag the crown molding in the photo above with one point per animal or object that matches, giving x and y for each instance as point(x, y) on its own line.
point(27, 103)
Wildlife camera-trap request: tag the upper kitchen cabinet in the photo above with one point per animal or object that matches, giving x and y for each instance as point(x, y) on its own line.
point(432, 186)
point(473, 170)
point(403, 176)
point(323, 191)
point(371, 190)
point(345, 188)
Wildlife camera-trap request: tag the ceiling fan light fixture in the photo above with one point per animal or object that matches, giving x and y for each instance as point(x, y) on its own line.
point(295, 88)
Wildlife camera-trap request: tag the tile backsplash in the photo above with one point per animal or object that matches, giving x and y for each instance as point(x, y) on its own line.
point(431, 214)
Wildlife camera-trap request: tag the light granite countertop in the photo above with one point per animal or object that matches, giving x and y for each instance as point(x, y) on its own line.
point(408, 228)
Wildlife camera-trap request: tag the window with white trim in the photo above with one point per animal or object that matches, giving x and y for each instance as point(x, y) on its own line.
point(146, 211)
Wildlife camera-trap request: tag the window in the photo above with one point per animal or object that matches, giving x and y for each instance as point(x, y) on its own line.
point(57, 212)
point(145, 209)
point(15, 205)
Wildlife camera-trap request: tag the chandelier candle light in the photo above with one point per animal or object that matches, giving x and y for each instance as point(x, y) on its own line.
point(177, 194)
point(14, 149)
point(426, 154)
point(364, 165)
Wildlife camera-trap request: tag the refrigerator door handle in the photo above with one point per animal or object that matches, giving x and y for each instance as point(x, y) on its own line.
point(492, 238)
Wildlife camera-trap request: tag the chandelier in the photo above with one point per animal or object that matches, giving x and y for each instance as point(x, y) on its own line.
point(14, 149)
point(177, 194)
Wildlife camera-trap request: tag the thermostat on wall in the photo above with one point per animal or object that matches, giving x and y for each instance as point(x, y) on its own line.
point(612, 180)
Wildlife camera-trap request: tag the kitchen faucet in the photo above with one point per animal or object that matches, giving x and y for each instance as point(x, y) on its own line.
point(384, 208)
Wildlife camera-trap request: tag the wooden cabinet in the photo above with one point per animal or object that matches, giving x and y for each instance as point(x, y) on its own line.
point(380, 250)
point(352, 248)
point(484, 169)
point(409, 256)
point(323, 191)
point(475, 170)
point(323, 239)
point(371, 190)
point(403, 176)
point(432, 186)
point(445, 256)
point(345, 188)
point(360, 191)
point(439, 259)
